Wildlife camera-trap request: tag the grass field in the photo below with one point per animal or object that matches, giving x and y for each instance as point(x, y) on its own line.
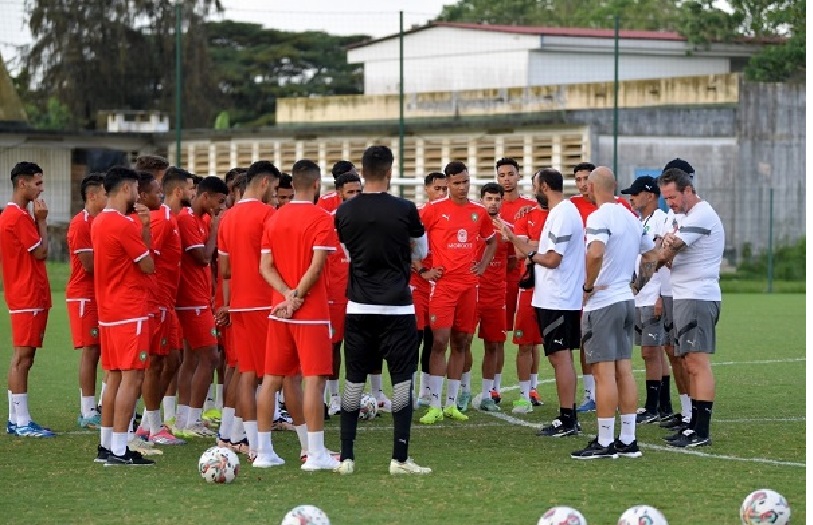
point(488, 470)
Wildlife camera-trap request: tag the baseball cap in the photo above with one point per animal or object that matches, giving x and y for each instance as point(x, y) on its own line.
point(645, 183)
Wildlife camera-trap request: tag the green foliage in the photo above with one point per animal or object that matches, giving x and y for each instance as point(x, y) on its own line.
point(55, 116)
point(788, 263)
point(222, 120)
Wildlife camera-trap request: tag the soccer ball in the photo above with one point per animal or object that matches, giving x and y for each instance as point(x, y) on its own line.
point(765, 506)
point(369, 407)
point(642, 515)
point(306, 515)
point(219, 465)
point(562, 516)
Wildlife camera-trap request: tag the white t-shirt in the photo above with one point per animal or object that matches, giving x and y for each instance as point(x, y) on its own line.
point(623, 237)
point(653, 224)
point(696, 268)
point(561, 288)
point(671, 223)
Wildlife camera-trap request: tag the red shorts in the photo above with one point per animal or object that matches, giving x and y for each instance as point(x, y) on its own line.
point(175, 340)
point(511, 293)
point(295, 348)
point(159, 328)
point(337, 313)
point(28, 328)
point(526, 328)
point(227, 342)
point(251, 330)
point(84, 320)
point(492, 323)
point(125, 346)
point(420, 298)
point(453, 306)
point(198, 327)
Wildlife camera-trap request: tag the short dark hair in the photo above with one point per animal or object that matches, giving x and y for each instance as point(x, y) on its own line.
point(116, 176)
point(151, 163)
point(260, 168)
point(241, 182)
point(376, 162)
point(680, 164)
point(681, 179)
point(454, 168)
point(173, 178)
point(432, 177)
point(94, 180)
point(232, 173)
point(346, 178)
point(492, 187)
point(582, 166)
point(507, 161)
point(341, 167)
point(212, 184)
point(304, 173)
point(24, 170)
point(196, 179)
point(145, 179)
point(285, 182)
point(552, 178)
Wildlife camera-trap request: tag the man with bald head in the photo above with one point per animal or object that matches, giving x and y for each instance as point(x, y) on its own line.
point(614, 239)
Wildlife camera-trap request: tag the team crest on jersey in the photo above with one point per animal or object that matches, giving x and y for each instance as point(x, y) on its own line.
point(94, 332)
point(646, 228)
point(214, 332)
point(462, 235)
point(142, 355)
point(474, 217)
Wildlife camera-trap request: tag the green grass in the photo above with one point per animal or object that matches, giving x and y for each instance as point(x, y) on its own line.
point(485, 471)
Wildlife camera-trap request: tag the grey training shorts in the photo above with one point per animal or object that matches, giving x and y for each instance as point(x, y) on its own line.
point(668, 320)
point(695, 325)
point(607, 332)
point(649, 329)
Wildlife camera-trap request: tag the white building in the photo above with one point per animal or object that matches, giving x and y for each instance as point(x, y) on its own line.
point(446, 56)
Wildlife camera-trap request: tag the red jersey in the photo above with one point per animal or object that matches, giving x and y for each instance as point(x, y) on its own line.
point(80, 283)
point(166, 247)
point(122, 289)
point(530, 227)
point(491, 291)
point(454, 231)
point(25, 280)
point(508, 213)
point(330, 202)
point(240, 237)
point(338, 268)
point(586, 207)
point(195, 285)
point(291, 236)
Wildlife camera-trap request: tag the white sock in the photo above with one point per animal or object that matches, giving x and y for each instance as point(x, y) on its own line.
point(182, 416)
point(685, 406)
point(426, 384)
point(589, 387)
point(251, 434)
point(88, 404)
point(627, 429)
point(194, 416)
point(170, 406)
point(302, 434)
point(11, 414)
point(152, 420)
point(107, 437)
point(219, 396)
point(422, 383)
point(497, 382)
point(101, 392)
point(316, 443)
point(606, 431)
point(264, 447)
point(534, 381)
point(21, 409)
point(485, 391)
point(435, 391)
point(333, 387)
point(465, 382)
point(210, 398)
point(452, 387)
point(118, 443)
point(525, 390)
point(226, 420)
point(237, 429)
point(277, 403)
point(375, 385)
point(281, 397)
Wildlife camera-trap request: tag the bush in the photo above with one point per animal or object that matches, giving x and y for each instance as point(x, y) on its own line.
point(788, 263)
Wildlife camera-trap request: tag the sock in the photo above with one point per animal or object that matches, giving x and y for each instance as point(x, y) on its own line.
point(333, 387)
point(264, 447)
point(277, 406)
point(151, 421)
point(422, 383)
point(210, 398)
point(281, 397)
point(107, 437)
point(226, 421)
point(703, 418)
point(118, 443)
point(435, 390)
point(452, 387)
point(251, 434)
point(589, 387)
point(170, 405)
point(465, 382)
point(567, 416)
point(497, 382)
point(302, 434)
point(402, 420)
point(88, 404)
point(194, 416)
point(21, 409)
point(351, 402)
point(182, 416)
point(693, 420)
point(485, 390)
point(534, 381)
point(525, 390)
point(11, 414)
point(606, 431)
point(237, 430)
point(101, 392)
point(685, 406)
point(375, 385)
point(219, 396)
point(627, 435)
point(426, 381)
point(665, 401)
point(653, 392)
point(316, 443)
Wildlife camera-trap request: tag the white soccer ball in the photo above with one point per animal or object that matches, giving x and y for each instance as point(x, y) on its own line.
point(642, 515)
point(369, 407)
point(219, 465)
point(306, 515)
point(562, 516)
point(765, 506)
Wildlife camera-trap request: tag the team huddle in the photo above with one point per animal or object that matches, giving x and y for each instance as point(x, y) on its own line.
point(259, 281)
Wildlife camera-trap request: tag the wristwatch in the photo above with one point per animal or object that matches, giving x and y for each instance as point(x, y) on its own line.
point(531, 255)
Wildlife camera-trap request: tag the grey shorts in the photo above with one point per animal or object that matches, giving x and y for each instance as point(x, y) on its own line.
point(648, 328)
point(668, 320)
point(695, 325)
point(607, 332)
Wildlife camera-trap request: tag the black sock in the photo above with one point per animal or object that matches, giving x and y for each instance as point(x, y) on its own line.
point(402, 419)
point(693, 420)
point(351, 401)
point(567, 416)
point(653, 390)
point(703, 418)
point(665, 401)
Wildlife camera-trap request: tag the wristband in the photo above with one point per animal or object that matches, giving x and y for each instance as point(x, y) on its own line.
point(585, 289)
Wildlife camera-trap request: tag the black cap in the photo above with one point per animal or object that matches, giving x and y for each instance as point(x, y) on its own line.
point(681, 165)
point(645, 183)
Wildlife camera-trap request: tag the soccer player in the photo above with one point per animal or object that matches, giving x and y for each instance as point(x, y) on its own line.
point(285, 190)
point(27, 292)
point(81, 298)
point(332, 200)
point(296, 243)
point(614, 240)
point(559, 276)
point(348, 186)
point(194, 305)
point(121, 266)
point(380, 315)
point(453, 226)
point(649, 332)
point(695, 253)
point(249, 298)
point(153, 164)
